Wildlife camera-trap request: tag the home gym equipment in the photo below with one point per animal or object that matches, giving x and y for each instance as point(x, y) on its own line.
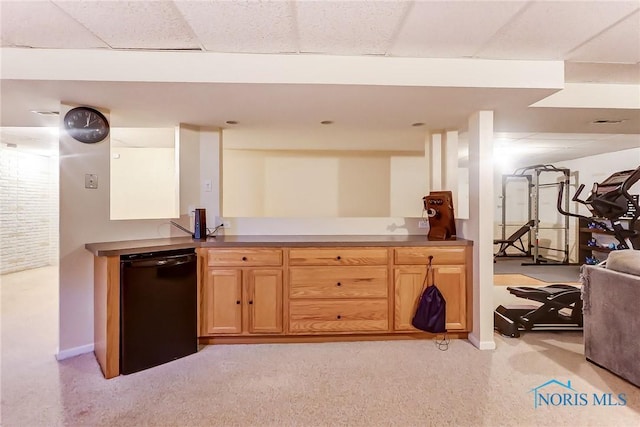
point(608, 200)
point(514, 241)
point(439, 208)
point(510, 320)
point(532, 228)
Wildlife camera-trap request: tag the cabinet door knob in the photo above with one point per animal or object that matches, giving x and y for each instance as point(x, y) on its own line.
point(338, 257)
point(244, 258)
point(237, 302)
point(250, 301)
point(339, 284)
point(339, 317)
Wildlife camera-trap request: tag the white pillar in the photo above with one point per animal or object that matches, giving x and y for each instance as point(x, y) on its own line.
point(450, 159)
point(436, 162)
point(427, 163)
point(481, 226)
point(211, 172)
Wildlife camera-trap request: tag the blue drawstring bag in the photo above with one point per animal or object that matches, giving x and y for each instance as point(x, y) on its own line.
point(431, 312)
point(430, 316)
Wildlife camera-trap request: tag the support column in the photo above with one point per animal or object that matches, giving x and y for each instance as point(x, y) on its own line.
point(480, 228)
point(436, 167)
point(450, 160)
point(427, 163)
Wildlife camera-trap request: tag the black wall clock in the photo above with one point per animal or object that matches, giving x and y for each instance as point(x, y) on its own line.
point(86, 124)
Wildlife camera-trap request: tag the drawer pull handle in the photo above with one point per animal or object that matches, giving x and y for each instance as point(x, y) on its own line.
point(338, 257)
point(244, 258)
point(339, 317)
point(237, 302)
point(339, 284)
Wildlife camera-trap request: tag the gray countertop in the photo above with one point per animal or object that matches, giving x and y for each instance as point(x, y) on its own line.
point(149, 245)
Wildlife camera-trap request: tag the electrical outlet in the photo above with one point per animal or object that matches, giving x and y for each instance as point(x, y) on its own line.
point(423, 224)
point(222, 222)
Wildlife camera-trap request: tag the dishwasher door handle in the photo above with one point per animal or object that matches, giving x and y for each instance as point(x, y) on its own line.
point(154, 263)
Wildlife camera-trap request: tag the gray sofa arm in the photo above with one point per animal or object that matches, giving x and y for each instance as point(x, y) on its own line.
point(611, 312)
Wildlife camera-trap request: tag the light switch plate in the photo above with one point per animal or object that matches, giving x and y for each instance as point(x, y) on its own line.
point(90, 181)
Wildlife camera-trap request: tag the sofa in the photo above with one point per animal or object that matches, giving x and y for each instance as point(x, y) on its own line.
point(611, 313)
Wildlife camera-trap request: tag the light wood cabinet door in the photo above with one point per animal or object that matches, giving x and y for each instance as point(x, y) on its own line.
point(408, 285)
point(222, 308)
point(263, 301)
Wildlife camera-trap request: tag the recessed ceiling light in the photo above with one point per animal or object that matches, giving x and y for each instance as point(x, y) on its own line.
point(46, 112)
point(326, 122)
point(607, 122)
point(231, 122)
point(417, 124)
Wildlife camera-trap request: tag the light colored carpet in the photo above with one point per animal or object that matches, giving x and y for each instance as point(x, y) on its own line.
point(403, 383)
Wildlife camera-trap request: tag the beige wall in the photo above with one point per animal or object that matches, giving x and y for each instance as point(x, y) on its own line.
point(143, 183)
point(309, 183)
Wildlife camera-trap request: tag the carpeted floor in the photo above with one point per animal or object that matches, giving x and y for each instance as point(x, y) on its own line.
point(403, 383)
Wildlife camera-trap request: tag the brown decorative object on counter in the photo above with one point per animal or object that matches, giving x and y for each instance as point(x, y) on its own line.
point(439, 208)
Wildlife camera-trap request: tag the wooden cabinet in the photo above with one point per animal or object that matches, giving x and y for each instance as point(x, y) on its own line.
point(286, 294)
point(338, 290)
point(450, 279)
point(245, 300)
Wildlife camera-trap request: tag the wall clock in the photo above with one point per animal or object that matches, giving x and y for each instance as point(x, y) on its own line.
point(86, 124)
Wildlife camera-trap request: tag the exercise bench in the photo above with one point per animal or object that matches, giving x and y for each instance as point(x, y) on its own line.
point(514, 241)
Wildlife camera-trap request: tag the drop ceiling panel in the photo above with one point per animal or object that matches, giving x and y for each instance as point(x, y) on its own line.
point(548, 30)
point(348, 28)
point(246, 27)
point(620, 44)
point(451, 29)
point(41, 24)
point(133, 24)
point(586, 72)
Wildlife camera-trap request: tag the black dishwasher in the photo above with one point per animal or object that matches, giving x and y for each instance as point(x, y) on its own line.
point(157, 308)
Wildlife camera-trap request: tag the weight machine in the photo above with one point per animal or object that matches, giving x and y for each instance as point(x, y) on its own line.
point(531, 175)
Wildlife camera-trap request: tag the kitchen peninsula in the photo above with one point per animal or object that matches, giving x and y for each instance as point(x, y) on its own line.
point(266, 289)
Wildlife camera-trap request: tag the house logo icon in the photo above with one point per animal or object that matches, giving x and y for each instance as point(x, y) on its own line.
point(556, 393)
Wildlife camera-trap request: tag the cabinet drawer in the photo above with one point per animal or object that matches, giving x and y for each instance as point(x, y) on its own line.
point(338, 282)
point(338, 316)
point(420, 255)
point(338, 256)
point(241, 257)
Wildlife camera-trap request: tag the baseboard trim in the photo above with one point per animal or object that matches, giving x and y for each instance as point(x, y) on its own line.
point(75, 351)
point(481, 345)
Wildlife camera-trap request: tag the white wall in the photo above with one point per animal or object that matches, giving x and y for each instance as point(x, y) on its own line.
point(84, 218)
point(28, 210)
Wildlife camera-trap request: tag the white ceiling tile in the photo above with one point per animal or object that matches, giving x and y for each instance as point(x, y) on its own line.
point(348, 27)
point(133, 24)
point(619, 44)
point(588, 72)
point(451, 29)
point(551, 29)
point(246, 27)
point(41, 24)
